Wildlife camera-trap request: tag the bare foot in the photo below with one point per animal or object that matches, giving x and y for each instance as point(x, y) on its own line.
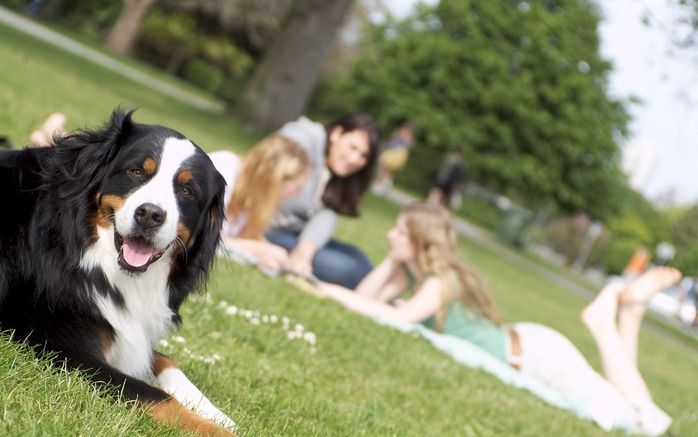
point(601, 312)
point(641, 290)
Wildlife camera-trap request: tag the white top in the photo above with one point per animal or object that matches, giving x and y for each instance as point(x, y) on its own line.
point(305, 212)
point(228, 165)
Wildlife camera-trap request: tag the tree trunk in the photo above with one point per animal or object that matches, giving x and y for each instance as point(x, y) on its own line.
point(283, 81)
point(122, 36)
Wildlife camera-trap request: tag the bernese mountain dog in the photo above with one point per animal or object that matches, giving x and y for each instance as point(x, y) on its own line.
point(106, 234)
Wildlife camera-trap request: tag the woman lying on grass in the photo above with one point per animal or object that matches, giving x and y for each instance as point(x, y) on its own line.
point(272, 172)
point(447, 296)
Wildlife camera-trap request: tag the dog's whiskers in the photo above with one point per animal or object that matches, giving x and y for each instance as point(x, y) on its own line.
point(178, 241)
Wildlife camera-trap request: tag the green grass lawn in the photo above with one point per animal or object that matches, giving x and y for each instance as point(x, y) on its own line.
point(359, 378)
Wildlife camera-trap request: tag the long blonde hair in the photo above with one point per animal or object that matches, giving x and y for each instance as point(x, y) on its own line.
point(436, 252)
point(273, 161)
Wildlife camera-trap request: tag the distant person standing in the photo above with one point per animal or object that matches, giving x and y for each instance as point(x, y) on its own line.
point(34, 7)
point(449, 179)
point(689, 293)
point(394, 156)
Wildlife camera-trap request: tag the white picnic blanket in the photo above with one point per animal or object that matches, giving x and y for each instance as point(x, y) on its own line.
point(470, 355)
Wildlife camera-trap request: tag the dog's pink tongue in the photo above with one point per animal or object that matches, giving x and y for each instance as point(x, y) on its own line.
point(136, 253)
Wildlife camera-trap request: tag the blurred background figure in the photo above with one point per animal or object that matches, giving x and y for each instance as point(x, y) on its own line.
point(51, 128)
point(272, 172)
point(637, 264)
point(449, 180)
point(689, 293)
point(394, 156)
point(342, 158)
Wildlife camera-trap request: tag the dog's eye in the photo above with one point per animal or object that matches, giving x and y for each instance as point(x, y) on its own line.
point(186, 191)
point(135, 172)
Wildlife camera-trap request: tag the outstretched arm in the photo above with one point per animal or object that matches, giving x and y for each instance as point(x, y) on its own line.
point(384, 282)
point(268, 255)
point(425, 302)
point(316, 233)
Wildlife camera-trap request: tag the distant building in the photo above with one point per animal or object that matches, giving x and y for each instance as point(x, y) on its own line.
point(638, 163)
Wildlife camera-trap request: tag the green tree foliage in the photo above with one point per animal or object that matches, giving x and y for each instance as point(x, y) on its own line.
point(566, 235)
point(519, 86)
point(684, 237)
point(173, 42)
point(636, 224)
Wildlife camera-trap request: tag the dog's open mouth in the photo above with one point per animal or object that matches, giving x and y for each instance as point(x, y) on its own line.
point(136, 253)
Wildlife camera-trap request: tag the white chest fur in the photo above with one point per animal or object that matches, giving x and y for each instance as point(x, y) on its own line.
point(145, 316)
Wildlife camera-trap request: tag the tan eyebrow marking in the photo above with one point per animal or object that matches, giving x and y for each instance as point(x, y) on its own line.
point(185, 176)
point(149, 165)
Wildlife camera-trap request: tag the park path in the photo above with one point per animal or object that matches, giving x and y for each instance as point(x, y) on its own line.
point(43, 33)
point(463, 227)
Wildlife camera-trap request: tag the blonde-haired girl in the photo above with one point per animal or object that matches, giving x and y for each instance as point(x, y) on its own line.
point(448, 296)
point(273, 171)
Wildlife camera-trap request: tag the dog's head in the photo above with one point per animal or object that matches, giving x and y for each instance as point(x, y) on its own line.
point(133, 196)
point(161, 195)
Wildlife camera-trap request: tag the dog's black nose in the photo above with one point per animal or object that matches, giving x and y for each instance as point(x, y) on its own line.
point(149, 216)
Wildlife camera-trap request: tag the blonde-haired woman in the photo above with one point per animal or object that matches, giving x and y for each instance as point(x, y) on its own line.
point(449, 297)
point(273, 171)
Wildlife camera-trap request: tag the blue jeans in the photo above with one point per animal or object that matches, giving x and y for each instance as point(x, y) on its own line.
point(335, 262)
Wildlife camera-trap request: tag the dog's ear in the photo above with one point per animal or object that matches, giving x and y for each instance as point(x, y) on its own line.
point(208, 234)
point(121, 125)
point(82, 159)
point(193, 265)
point(73, 171)
point(108, 140)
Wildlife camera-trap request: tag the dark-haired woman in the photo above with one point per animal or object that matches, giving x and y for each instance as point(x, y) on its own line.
point(342, 156)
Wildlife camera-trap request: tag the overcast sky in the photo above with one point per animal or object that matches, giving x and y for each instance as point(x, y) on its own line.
point(665, 126)
point(667, 121)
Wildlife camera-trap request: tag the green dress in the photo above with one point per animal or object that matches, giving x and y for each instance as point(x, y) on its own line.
point(470, 326)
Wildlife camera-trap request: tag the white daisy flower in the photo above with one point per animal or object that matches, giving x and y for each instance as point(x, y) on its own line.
point(232, 310)
point(310, 338)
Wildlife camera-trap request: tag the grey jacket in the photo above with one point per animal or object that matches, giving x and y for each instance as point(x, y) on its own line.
point(305, 212)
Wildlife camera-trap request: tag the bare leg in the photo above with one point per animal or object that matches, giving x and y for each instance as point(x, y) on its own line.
point(634, 304)
point(599, 316)
point(616, 345)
